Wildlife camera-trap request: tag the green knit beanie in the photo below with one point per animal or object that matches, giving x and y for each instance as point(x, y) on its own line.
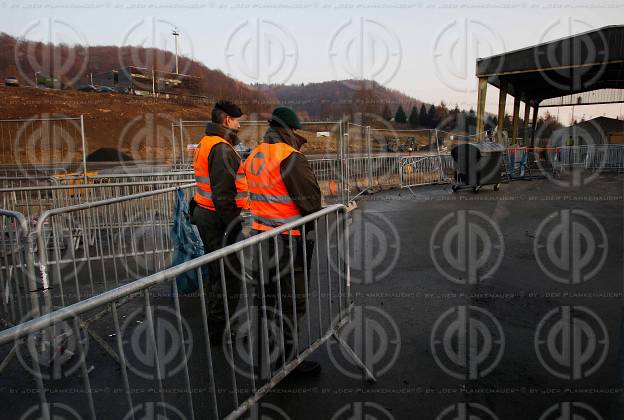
point(284, 116)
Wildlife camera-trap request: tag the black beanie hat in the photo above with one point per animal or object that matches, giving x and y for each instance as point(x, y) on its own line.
point(284, 116)
point(229, 108)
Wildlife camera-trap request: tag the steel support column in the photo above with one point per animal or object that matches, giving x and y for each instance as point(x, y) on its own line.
point(502, 100)
point(482, 90)
point(534, 125)
point(525, 128)
point(516, 117)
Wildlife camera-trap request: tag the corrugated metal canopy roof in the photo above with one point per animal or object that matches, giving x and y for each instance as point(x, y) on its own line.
point(579, 63)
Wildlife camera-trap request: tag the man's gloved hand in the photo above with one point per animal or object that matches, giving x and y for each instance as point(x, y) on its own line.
point(233, 233)
point(192, 204)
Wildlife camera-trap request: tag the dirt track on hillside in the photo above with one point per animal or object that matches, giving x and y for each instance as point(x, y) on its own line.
point(140, 127)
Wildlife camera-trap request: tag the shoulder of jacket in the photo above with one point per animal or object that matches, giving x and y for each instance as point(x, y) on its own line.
point(227, 149)
point(215, 139)
point(296, 158)
point(288, 148)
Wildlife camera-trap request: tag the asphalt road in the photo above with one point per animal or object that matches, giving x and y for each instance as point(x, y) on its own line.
point(434, 358)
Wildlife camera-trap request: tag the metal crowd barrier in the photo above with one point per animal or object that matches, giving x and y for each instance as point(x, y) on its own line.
point(425, 170)
point(17, 278)
point(373, 171)
point(81, 250)
point(87, 248)
point(384, 170)
point(53, 139)
point(607, 157)
point(115, 178)
point(597, 157)
point(34, 200)
point(18, 182)
point(92, 179)
point(252, 358)
point(521, 162)
point(529, 162)
point(27, 171)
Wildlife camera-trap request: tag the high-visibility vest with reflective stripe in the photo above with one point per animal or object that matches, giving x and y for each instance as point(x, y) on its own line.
point(270, 204)
point(203, 192)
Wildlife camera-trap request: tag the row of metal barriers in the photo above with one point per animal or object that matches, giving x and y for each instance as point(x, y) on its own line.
point(94, 323)
point(80, 248)
point(32, 193)
point(519, 163)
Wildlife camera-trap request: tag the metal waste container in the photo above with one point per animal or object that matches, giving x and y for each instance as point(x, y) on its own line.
point(477, 164)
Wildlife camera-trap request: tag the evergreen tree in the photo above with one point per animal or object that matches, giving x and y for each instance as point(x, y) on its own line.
point(431, 117)
point(414, 118)
point(441, 115)
point(455, 113)
point(422, 116)
point(471, 121)
point(462, 121)
point(400, 116)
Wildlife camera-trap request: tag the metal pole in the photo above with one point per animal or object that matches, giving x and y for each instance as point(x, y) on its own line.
point(534, 125)
point(30, 267)
point(502, 99)
point(525, 128)
point(175, 36)
point(516, 116)
point(181, 141)
point(370, 162)
point(84, 149)
point(173, 143)
point(177, 65)
point(482, 91)
point(344, 196)
point(439, 157)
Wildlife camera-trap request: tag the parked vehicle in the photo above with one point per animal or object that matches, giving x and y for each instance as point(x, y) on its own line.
point(11, 81)
point(87, 88)
point(105, 89)
point(395, 144)
point(49, 82)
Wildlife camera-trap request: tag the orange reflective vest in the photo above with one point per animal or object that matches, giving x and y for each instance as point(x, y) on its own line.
point(270, 204)
point(203, 192)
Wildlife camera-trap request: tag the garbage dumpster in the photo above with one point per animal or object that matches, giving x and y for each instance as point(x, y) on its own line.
point(477, 164)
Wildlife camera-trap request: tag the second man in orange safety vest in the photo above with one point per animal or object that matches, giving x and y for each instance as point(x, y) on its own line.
point(283, 188)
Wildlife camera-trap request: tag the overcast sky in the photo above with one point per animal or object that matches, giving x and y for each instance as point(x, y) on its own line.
point(426, 49)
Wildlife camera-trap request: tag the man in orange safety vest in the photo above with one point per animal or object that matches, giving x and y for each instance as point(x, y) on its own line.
point(221, 194)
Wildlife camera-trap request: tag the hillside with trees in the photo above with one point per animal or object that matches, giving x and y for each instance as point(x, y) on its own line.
point(20, 58)
point(363, 102)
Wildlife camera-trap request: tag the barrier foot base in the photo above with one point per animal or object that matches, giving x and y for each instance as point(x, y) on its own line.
point(99, 340)
point(365, 190)
point(369, 375)
point(8, 358)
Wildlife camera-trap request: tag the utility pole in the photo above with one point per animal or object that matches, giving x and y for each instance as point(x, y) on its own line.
point(175, 34)
point(153, 83)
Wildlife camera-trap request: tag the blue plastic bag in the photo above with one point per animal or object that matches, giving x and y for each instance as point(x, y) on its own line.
point(187, 244)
